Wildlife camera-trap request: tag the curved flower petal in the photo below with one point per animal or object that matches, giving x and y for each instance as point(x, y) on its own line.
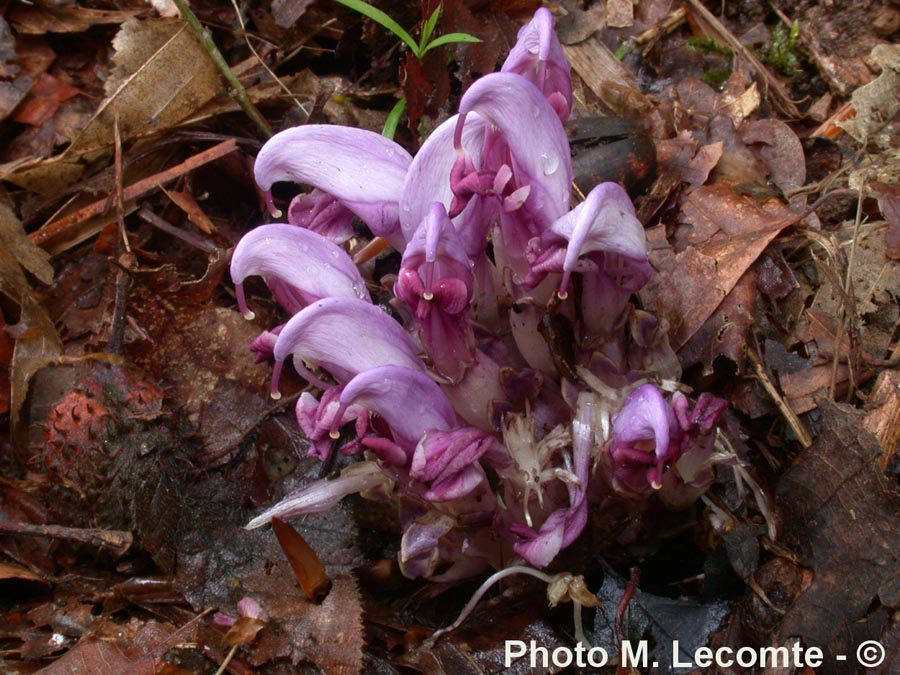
point(311, 266)
point(407, 399)
point(641, 435)
point(534, 135)
point(606, 222)
point(345, 336)
point(322, 495)
point(362, 169)
point(428, 181)
point(538, 56)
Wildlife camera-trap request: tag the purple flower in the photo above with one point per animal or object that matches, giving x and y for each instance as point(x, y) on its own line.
point(525, 163)
point(323, 214)
point(299, 266)
point(408, 401)
point(449, 462)
point(318, 418)
point(436, 283)
point(344, 336)
point(694, 458)
point(640, 446)
point(428, 181)
point(604, 223)
point(538, 56)
point(361, 169)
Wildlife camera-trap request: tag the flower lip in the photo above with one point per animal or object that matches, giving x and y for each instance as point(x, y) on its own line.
point(407, 399)
point(311, 266)
point(362, 169)
point(345, 336)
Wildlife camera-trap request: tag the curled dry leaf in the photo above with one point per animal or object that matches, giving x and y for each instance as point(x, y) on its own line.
point(161, 75)
point(308, 569)
point(37, 342)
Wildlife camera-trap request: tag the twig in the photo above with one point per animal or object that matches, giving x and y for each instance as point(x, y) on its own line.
point(789, 415)
point(237, 10)
point(49, 235)
point(239, 94)
point(848, 293)
point(187, 237)
point(781, 97)
point(117, 540)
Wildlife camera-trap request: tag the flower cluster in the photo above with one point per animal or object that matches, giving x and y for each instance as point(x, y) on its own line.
point(524, 385)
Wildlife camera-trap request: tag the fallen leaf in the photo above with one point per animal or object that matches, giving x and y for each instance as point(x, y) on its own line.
point(20, 574)
point(46, 95)
point(838, 514)
point(656, 621)
point(161, 75)
point(12, 94)
point(286, 12)
point(187, 203)
point(38, 20)
point(780, 150)
point(204, 356)
point(734, 231)
point(876, 103)
point(726, 331)
point(37, 342)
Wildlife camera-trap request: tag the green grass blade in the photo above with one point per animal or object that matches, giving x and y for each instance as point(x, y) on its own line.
point(393, 119)
point(428, 29)
point(382, 19)
point(448, 39)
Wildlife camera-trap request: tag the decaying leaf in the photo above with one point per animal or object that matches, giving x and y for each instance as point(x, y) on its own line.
point(734, 231)
point(838, 514)
point(161, 75)
point(657, 621)
point(876, 103)
point(37, 342)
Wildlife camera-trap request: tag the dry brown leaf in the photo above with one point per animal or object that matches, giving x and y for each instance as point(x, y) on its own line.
point(34, 20)
point(161, 76)
point(876, 103)
point(838, 514)
point(187, 203)
point(37, 342)
point(731, 232)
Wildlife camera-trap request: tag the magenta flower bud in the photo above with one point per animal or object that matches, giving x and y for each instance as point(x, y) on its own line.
point(448, 461)
point(323, 214)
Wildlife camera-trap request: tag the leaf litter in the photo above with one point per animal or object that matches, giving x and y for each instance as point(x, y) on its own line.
point(743, 265)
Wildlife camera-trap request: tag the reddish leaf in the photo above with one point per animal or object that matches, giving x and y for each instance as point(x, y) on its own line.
point(47, 94)
point(306, 564)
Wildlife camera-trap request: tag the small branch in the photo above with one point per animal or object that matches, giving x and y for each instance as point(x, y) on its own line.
point(117, 540)
point(789, 415)
point(239, 94)
point(50, 233)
